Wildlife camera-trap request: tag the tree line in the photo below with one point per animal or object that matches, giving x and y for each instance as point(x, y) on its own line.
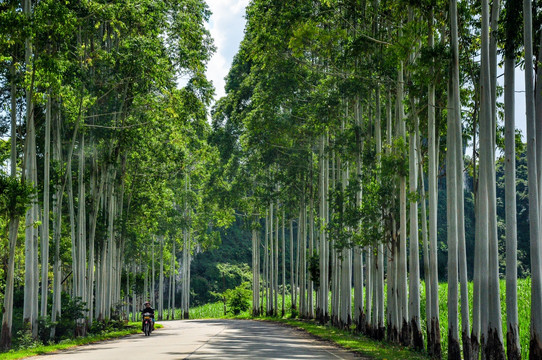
point(105, 158)
point(340, 117)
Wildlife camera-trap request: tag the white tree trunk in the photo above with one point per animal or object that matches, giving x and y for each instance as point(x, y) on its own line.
point(402, 298)
point(45, 231)
point(255, 270)
point(283, 263)
point(310, 300)
point(433, 343)
point(30, 295)
point(81, 234)
point(535, 348)
point(292, 271)
point(161, 280)
point(7, 318)
point(153, 275)
point(379, 309)
point(512, 338)
point(414, 285)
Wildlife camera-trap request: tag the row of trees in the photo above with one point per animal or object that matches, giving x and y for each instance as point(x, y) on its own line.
point(333, 108)
point(105, 152)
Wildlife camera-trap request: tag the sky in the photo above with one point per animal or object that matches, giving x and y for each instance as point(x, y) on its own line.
point(226, 25)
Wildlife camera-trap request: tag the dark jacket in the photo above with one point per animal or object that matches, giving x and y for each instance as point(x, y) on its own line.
point(148, 310)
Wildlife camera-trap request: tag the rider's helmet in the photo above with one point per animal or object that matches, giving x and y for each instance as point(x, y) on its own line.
point(147, 303)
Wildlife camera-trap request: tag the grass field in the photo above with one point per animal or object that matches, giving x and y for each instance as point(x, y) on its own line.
point(216, 310)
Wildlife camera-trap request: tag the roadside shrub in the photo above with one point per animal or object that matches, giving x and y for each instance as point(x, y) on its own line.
point(238, 299)
point(66, 326)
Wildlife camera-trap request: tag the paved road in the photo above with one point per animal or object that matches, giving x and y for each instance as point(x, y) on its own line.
point(209, 339)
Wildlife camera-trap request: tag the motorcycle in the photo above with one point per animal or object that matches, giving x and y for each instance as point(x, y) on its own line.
point(147, 323)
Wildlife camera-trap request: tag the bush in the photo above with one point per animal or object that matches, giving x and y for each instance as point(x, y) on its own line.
point(66, 326)
point(24, 340)
point(238, 299)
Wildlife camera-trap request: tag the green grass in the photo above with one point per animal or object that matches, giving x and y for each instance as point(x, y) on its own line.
point(524, 306)
point(131, 328)
point(351, 341)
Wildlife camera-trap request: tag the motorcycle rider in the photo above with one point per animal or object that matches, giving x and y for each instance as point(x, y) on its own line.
point(147, 309)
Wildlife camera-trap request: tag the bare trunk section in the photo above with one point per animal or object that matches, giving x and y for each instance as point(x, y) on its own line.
point(379, 331)
point(81, 235)
point(161, 280)
point(57, 222)
point(283, 264)
point(266, 264)
point(452, 225)
point(292, 272)
point(255, 269)
point(45, 228)
point(414, 303)
point(402, 297)
point(535, 346)
point(512, 336)
point(7, 318)
point(30, 294)
point(433, 343)
point(495, 337)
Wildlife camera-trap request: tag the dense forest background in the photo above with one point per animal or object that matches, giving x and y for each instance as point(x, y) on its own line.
point(227, 265)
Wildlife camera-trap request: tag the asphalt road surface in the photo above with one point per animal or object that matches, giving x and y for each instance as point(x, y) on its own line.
point(209, 339)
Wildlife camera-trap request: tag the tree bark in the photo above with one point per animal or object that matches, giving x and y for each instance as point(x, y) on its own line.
point(7, 318)
point(433, 342)
point(535, 346)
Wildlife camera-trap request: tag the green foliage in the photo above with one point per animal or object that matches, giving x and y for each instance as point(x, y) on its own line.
point(15, 196)
point(25, 340)
point(314, 268)
point(66, 326)
point(222, 267)
point(238, 299)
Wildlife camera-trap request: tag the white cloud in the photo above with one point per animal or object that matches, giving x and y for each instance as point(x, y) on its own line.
point(226, 26)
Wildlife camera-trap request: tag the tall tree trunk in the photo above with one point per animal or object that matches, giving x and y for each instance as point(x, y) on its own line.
point(7, 318)
point(535, 346)
point(454, 350)
point(45, 231)
point(359, 318)
point(512, 337)
point(433, 342)
point(378, 332)
point(73, 236)
point(81, 234)
point(495, 347)
point(322, 311)
point(30, 295)
point(255, 269)
point(401, 274)
point(266, 264)
point(456, 248)
point(57, 228)
point(292, 272)
point(425, 237)
point(414, 303)
point(173, 276)
point(161, 280)
point(153, 275)
point(283, 263)
point(276, 283)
